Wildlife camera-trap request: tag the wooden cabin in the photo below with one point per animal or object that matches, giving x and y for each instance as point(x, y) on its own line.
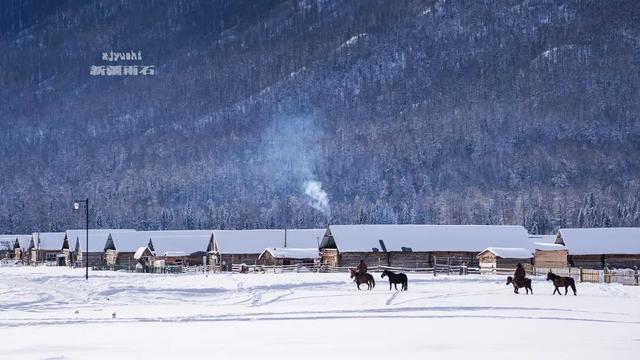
point(246, 246)
point(289, 256)
point(414, 246)
point(493, 258)
point(595, 248)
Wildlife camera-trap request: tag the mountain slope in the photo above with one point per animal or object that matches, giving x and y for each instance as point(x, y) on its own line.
point(408, 111)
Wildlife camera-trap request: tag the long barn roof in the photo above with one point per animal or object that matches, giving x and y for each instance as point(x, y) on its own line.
point(255, 241)
point(472, 238)
point(597, 241)
point(169, 241)
point(97, 238)
point(49, 240)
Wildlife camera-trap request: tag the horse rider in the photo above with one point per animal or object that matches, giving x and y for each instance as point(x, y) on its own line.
point(362, 268)
point(519, 275)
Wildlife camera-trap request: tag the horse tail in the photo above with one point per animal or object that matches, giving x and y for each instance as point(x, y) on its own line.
point(373, 281)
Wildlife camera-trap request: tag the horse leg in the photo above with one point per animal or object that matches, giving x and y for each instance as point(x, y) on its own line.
point(357, 283)
point(395, 286)
point(554, 291)
point(389, 285)
point(566, 288)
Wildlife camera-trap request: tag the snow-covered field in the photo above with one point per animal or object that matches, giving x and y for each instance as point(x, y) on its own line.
point(53, 313)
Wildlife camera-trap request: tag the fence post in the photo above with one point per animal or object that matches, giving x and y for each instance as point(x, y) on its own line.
point(435, 263)
point(581, 278)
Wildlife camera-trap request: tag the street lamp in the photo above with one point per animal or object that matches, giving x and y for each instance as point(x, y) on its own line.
point(76, 207)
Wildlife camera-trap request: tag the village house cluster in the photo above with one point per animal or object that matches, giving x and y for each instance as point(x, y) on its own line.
point(485, 247)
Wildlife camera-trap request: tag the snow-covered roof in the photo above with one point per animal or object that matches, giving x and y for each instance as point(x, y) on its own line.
point(548, 246)
point(129, 241)
point(293, 253)
point(186, 241)
point(596, 241)
point(23, 240)
point(248, 241)
point(303, 238)
point(509, 253)
point(139, 252)
point(97, 237)
point(474, 238)
point(49, 240)
point(550, 239)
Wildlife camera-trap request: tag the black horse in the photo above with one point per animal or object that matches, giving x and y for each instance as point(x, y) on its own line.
point(559, 281)
point(526, 284)
point(396, 279)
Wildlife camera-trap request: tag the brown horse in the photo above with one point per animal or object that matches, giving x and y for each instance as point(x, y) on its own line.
point(559, 281)
point(363, 279)
point(526, 284)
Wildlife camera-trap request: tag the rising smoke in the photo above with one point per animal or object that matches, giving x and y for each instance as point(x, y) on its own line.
point(318, 198)
point(291, 145)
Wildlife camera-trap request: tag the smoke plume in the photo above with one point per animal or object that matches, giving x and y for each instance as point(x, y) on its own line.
point(318, 198)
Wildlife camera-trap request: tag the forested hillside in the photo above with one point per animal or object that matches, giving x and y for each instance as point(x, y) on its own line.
point(405, 111)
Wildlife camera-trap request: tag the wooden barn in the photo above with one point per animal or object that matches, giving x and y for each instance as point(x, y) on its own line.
point(246, 246)
point(493, 258)
point(289, 256)
point(121, 248)
point(74, 245)
point(414, 246)
point(48, 248)
point(595, 248)
point(182, 247)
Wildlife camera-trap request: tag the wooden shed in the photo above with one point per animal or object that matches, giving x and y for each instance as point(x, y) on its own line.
point(550, 255)
point(289, 256)
point(595, 248)
point(414, 246)
point(493, 258)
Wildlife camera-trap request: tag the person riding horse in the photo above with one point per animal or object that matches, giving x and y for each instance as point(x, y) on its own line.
point(520, 274)
point(362, 268)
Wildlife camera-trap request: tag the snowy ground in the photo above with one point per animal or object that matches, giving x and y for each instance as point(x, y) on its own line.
point(53, 313)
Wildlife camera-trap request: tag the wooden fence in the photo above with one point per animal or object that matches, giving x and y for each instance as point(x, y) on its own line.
point(607, 276)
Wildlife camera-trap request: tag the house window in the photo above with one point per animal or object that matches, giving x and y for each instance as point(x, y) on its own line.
point(51, 257)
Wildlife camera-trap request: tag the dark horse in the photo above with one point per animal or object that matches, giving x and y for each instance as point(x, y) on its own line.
point(396, 279)
point(526, 284)
point(363, 279)
point(559, 281)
